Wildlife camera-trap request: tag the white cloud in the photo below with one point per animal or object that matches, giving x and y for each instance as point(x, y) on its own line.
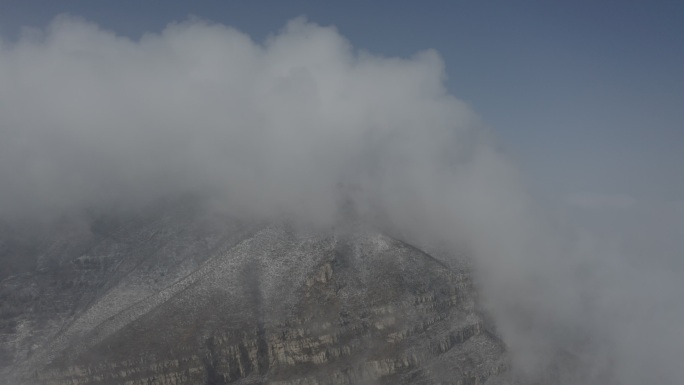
point(92, 119)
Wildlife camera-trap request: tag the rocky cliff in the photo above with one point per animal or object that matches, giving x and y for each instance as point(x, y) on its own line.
point(180, 295)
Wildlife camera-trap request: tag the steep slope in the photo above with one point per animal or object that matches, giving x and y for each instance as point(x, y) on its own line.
point(250, 305)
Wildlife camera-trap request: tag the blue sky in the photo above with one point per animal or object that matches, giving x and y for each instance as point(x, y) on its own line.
point(588, 96)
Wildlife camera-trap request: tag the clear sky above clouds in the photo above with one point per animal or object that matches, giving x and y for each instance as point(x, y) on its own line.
point(587, 95)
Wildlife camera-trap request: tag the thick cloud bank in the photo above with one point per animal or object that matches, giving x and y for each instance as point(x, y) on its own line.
point(299, 124)
point(89, 117)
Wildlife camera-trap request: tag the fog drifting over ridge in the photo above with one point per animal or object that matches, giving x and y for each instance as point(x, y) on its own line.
point(89, 119)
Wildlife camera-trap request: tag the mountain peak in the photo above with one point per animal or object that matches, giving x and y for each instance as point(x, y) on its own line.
point(192, 297)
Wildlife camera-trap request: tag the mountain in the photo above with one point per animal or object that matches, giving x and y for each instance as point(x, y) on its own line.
point(181, 294)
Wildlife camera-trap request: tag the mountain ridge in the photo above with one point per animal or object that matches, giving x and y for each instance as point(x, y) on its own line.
point(253, 304)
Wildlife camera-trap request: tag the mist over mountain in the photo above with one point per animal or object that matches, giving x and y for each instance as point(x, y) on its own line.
point(301, 128)
point(182, 294)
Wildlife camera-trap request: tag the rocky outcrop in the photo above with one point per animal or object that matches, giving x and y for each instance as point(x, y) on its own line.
point(185, 298)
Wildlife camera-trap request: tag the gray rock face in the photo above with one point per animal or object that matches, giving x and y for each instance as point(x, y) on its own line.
point(180, 296)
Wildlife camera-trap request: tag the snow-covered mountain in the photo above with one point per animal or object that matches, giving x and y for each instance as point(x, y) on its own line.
point(181, 294)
